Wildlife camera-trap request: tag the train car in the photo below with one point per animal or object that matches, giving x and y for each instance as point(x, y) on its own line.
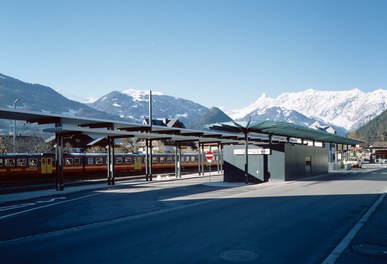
point(25, 165)
point(88, 166)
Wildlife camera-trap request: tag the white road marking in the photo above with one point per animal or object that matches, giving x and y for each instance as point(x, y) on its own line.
point(348, 238)
point(51, 200)
point(47, 205)
point(16, 206)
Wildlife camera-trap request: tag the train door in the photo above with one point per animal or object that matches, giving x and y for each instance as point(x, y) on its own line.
point(46, 165)
point(137, 163)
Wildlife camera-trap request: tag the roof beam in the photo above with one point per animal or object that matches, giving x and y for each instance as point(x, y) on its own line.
point(108, 125)
point(136, 128)
point(45, 120)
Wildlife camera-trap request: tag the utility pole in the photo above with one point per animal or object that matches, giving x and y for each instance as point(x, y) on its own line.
point(14, 127)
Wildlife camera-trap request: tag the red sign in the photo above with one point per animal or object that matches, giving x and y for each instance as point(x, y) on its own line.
point(209, 155)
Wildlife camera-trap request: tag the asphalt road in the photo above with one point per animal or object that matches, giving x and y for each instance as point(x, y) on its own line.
point(193, 221)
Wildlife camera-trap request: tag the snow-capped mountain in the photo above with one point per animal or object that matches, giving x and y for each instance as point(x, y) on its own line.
point(278, 113)
point(133, 105)
point(348, 109)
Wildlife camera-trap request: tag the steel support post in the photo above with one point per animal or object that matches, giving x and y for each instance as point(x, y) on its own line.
point(176, 161)
point(110, 161)
point(202, 159)
point(150, 158)
point(199, 158)
point(247, 159)
point(221, 160)
point(218, 158)
point(146, 160)
point(59, 163)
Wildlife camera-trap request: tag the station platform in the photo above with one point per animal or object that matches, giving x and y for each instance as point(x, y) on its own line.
point(213, 179)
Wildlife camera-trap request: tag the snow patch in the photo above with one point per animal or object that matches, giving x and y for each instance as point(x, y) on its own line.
point(139, 95)
point(185, 115)
point(70, 112)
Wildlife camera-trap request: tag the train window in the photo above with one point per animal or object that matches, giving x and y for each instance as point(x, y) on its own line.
point(169, 159)
point(155, 159)
point(69, 161)
point(77, 161)
point(162, 159)
point(32, 162)
point(128, 160)
point(90, 161)
point(1, 162)
point(192, 158)
point(98, 160)
point(21, 162)
point(119, 160)
point(9, 162)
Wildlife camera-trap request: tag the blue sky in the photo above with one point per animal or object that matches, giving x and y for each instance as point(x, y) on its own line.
point(214, 52)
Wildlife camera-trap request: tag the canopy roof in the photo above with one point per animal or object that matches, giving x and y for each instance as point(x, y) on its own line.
point(228, 133)
point(285, 130)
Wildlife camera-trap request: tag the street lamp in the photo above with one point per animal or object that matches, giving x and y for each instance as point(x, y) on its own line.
point(14, 127)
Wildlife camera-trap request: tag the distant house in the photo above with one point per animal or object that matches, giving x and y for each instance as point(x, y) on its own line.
point(76, 143)
point(155, 122)
point(165, 122)
point(175, 123)
point(379, 150)
point(169, 144)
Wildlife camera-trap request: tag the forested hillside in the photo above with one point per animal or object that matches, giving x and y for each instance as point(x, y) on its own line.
point(375, 130)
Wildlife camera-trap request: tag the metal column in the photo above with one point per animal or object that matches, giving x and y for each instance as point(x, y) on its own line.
point(110, 161)
point(202, 159)
point(221, 160)
point(199, 159)
point(247, 158)
point(178, 160)
point(146, 160)
point(218, 158)
point(150, 159)
point(59, 163)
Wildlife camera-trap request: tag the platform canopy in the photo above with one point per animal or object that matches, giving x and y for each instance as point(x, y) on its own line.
point(62, 124)
point(283, 129)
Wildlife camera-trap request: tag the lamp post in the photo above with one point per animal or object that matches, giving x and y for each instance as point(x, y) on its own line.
point(14, 127)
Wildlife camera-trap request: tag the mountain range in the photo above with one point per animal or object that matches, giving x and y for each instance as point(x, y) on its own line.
point(133, 105)
point(346, 109)
point(341, 110)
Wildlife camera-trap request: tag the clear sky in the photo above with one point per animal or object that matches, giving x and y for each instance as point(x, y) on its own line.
point(215, 52)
